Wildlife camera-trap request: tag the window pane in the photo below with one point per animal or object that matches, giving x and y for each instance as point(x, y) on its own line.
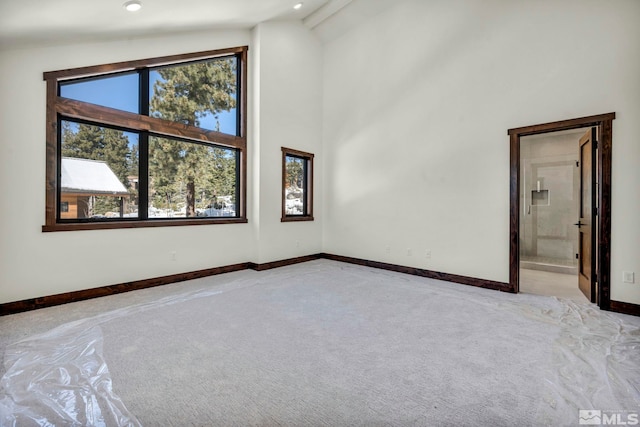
point(201, 94)
point(119, 91)
point(98, 172)
point(191, 180)
point(295, 186)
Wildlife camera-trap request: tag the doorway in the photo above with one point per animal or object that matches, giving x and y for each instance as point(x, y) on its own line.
point(545, 238)
point(551, 185)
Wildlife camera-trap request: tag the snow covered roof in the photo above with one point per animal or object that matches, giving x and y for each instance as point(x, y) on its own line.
point(90, 176)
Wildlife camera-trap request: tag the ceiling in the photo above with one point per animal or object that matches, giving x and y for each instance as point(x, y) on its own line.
point(34, 22)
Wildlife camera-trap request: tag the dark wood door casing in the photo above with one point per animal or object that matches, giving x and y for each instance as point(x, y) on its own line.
point(603, 123)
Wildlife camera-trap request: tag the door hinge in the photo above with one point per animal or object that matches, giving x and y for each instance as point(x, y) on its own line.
point(595, 144)
point(596, 211)
point(577, 256)
point(577, 164)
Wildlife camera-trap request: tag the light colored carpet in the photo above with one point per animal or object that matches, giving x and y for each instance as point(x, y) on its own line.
point(323, 344)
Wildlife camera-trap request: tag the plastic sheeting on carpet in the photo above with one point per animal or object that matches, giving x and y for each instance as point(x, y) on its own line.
point(596, 360)
point(60, 377)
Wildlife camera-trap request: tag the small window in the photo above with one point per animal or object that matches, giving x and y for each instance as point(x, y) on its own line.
point(297, 185)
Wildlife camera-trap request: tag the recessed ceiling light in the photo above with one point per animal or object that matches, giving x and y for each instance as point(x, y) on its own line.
point(132, 5)
point(298, 6)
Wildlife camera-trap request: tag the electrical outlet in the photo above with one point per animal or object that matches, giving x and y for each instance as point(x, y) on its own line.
point(409, 252)
point(628, 277)
point(173, 255)
point(387, 249)
point(427, 254)
point(297, 244)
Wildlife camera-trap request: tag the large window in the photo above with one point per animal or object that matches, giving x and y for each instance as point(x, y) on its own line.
point(152, 142)
point(297, 185)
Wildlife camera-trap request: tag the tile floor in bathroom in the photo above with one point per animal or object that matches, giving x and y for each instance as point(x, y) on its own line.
point(551, 284)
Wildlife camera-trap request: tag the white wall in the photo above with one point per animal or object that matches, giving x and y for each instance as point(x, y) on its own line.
point(407, 113)
point(417, 103)
point(34, 264)
point(287, 113)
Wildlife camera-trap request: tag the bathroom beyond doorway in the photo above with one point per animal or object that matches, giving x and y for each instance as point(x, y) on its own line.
point(594, 251)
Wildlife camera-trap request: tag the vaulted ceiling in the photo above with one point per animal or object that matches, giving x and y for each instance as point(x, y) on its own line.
point(28, 22)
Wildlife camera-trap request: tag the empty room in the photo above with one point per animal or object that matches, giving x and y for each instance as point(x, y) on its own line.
point(319, 213)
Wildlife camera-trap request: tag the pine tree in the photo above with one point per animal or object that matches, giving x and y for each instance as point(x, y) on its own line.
point(186, 94)
point(163, 168)
point(295, 171)
point(134, 171)
point(221, 177)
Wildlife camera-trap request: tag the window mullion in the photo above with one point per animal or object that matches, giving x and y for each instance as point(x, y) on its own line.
point(144, 92)
point(143, 167)
point(143, 176)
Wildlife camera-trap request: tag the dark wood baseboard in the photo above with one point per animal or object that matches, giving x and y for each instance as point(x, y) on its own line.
point(624, 308)
point(464, 280)
point(67, 297)
point(64, 298)
point(282, 263)
point(85, 294)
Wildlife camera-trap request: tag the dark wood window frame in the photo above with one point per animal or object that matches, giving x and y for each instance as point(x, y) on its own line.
point(308, 191)
point(604, 123)
point(71, 109)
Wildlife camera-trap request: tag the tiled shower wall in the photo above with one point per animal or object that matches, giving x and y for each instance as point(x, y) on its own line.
point(549, 198)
